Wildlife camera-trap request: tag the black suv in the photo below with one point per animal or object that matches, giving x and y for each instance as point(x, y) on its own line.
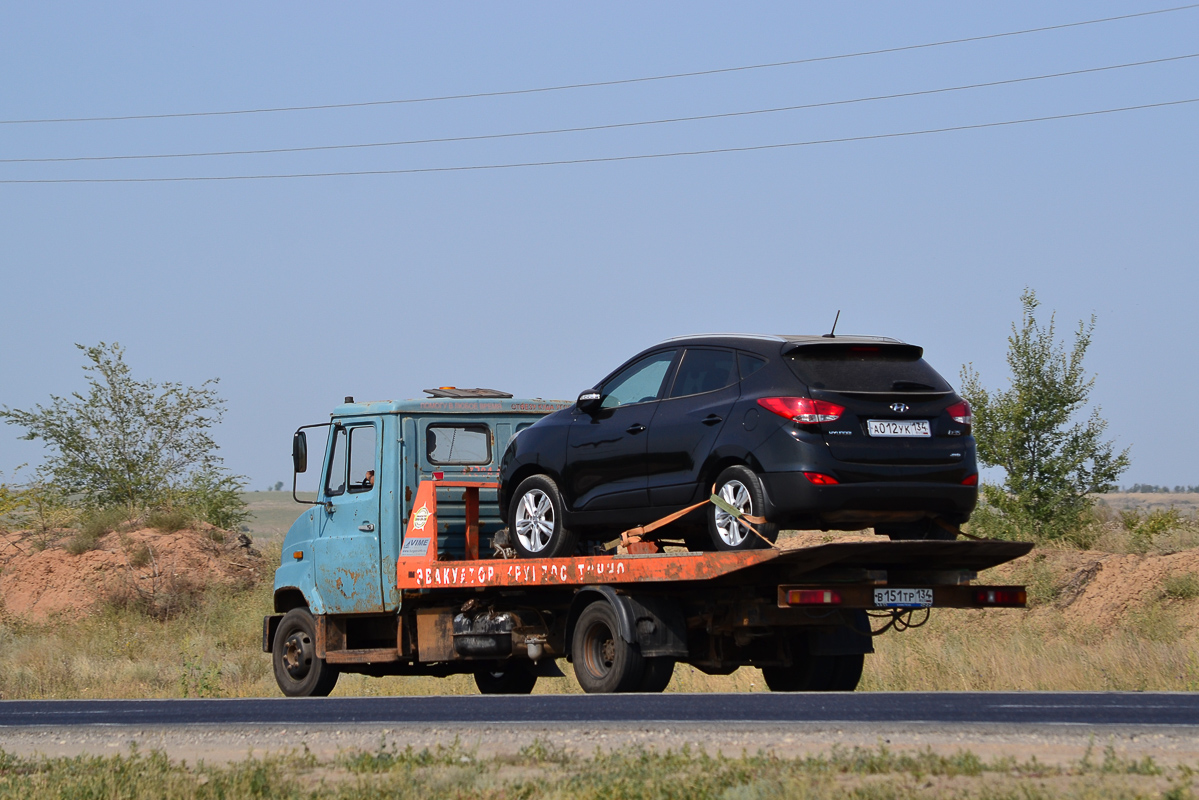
point(809, 432)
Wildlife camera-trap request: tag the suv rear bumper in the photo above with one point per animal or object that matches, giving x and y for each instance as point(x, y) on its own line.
point(794, 501)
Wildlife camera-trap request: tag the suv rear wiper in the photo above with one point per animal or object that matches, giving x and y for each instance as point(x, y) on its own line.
point(900, 386)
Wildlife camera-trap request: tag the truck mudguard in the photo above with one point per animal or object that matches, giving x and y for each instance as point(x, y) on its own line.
point(654, 624)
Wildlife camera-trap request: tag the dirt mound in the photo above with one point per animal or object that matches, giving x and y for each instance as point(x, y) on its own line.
point(1097, 588)
point(163, 573)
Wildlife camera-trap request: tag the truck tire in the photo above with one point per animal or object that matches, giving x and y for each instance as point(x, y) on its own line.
point(535, 520)
point(605, 663)
point(817, 674)
point(298, 671)
point(506, 677)
point(739, 486)
point(658, 672)
point(847, 672)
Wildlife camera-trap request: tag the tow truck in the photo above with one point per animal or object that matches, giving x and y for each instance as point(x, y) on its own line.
point(400, 567)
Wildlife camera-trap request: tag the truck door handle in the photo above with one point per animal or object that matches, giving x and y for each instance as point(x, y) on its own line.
point(636, 427)
point(366, 527)
point(712, 419)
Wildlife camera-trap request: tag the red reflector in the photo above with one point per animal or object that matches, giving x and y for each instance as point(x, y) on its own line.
point(961, 413)
point(438, 476)
point(820, 479)
point(803, 410)
point(813, 597)
point(971, 480)
point(1000, 597)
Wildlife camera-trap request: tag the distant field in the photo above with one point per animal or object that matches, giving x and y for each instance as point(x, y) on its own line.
point(1187, 503)
point(273, 513)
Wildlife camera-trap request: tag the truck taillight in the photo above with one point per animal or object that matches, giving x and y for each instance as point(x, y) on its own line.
point(803, 410)
point(1017, 598)
point(961, 413)
point(813, 597)
point(820, 479)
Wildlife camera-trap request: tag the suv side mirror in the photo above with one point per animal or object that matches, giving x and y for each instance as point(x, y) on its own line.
point(589, 401)
point(299, 452)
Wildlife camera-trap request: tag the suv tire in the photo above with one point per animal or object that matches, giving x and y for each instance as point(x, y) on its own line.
point(739, 486)
point(535, 520)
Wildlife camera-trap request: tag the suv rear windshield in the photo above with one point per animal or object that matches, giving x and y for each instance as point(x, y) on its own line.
point(865, 368)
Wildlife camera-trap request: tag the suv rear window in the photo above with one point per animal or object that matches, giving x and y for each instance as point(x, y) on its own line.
point(865, 368)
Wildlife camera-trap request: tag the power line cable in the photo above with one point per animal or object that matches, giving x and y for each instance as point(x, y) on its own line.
point(594, 84)
point(606, 159)
point(588, 128)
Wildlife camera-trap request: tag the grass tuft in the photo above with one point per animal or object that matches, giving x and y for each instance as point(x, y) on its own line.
point(1184, 586)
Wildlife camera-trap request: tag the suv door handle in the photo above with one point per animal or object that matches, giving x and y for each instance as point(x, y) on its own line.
point(636, 427)
point(712, 419)
point(366, 527)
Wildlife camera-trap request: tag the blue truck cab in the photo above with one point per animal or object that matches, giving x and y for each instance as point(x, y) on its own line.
point(339, 557)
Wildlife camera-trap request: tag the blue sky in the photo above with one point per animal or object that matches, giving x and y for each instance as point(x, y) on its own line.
point(539, 280)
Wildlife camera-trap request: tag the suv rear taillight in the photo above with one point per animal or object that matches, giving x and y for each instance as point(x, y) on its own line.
point(802, 409)
point(960, 413)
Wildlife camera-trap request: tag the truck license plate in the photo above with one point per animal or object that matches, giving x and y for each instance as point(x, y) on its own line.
point(903, 598)
point(899, 427)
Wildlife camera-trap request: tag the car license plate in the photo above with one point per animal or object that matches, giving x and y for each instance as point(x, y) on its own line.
point(899, 427)
point(903, 598)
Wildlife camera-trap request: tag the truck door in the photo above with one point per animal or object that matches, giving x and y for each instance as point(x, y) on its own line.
point(347, 549)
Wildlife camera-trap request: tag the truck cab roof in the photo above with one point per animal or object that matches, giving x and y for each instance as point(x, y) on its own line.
point(452, 405)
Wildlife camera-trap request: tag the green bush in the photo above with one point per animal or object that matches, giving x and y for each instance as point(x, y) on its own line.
point(82, 542)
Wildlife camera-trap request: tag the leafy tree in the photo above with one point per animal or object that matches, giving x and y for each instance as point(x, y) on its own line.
point(134, 444)
point(1053, 461)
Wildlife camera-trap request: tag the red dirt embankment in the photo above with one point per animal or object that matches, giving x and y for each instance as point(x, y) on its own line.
point(158, 570)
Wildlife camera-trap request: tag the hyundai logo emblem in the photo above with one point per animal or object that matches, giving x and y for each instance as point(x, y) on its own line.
point(899, 408)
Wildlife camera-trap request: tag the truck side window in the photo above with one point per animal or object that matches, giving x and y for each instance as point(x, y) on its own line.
point(458, 444)
point(335, 481)
point(362, 458)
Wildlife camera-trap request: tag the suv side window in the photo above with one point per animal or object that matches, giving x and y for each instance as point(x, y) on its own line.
point(639, 382)
point(749, 364)
point(704, 371)
point(335, 481)
point(362, 458)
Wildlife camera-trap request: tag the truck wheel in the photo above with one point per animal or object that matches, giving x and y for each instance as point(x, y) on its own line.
point(604, 662)
point(505, 677)
point(658, 672)
point(847, 672)
point(812, 674)
point(298, 671)
point(924, 529)
point(535, 520)
point(739, 487)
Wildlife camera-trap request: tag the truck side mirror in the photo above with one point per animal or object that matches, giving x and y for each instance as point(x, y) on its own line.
point(589, 401)
point(299, 452)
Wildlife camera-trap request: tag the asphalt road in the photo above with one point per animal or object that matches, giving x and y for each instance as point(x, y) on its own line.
point(1035, 708)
